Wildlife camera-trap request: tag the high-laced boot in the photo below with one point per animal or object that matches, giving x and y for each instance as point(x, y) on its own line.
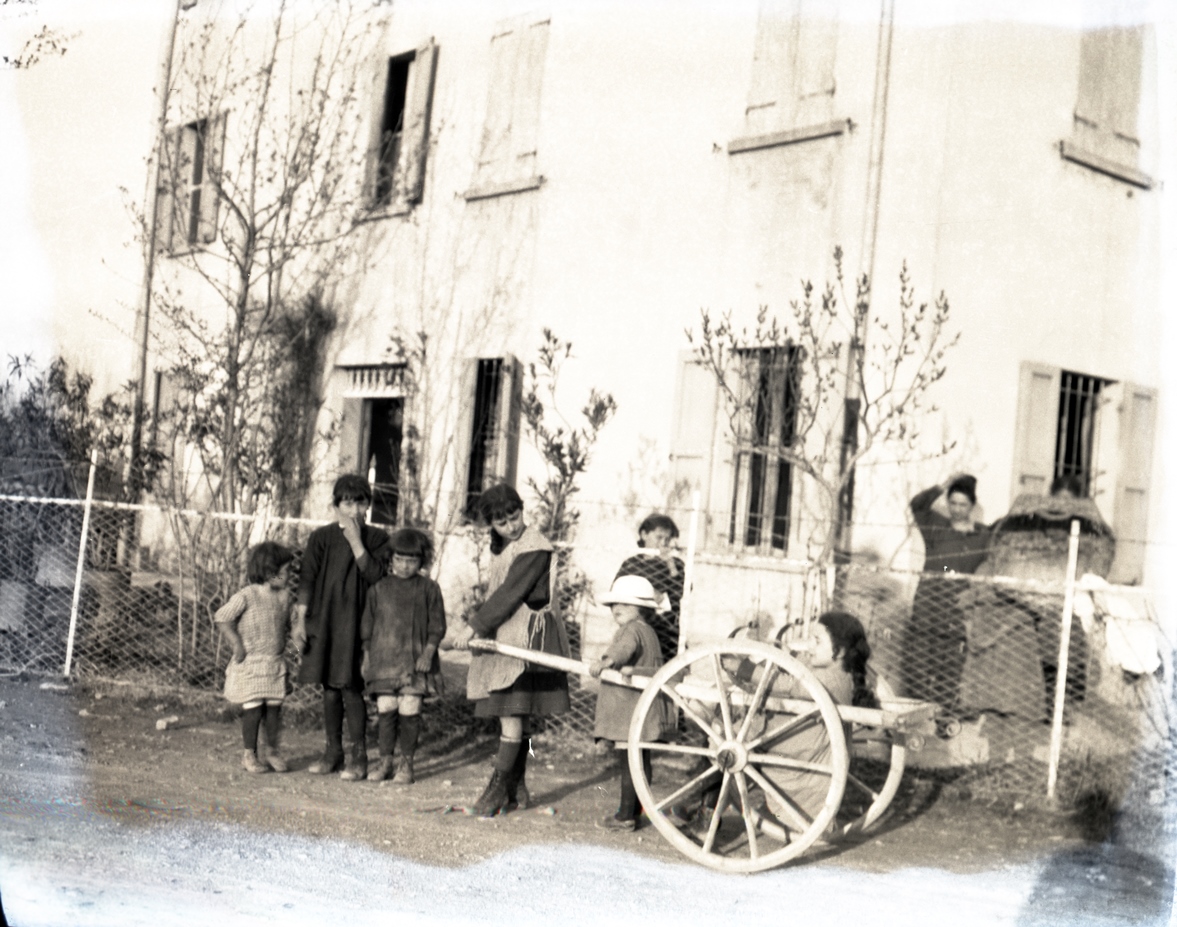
point(494, 797)
point(517, 794)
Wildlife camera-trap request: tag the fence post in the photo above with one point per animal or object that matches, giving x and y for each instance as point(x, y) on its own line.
point(73, 611)
point(688, 577)
point(1064, 644)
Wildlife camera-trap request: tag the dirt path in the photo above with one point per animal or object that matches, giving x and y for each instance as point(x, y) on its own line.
point(102, 815)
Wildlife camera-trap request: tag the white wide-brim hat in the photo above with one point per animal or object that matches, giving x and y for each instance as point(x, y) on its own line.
point(631, 590)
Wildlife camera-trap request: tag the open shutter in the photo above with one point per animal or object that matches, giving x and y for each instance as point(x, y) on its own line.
point(167, 181)
point(1036, 430)
point(692, 435)
point(1138, 411)
point(351, 437)
point(210, 187)
point(510, 403)
point(463, 436)
point(418, 99)
point(770, 97)
point(377, 88)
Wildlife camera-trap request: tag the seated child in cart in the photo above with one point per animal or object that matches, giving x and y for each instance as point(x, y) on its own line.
point(402, 624)
point(256, 622)
point(635, 644)
point(836, 653)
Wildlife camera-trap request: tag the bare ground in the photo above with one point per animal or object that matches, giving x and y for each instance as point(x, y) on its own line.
point(94, 800)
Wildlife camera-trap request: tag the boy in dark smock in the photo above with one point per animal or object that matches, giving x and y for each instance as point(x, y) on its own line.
point(342, 560)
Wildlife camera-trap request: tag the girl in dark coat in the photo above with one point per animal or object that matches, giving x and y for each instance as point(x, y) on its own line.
point(656, 561)
point(341, 561)
point(404, 621)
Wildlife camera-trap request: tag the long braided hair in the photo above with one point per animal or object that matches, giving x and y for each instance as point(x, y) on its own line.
point(849, 640)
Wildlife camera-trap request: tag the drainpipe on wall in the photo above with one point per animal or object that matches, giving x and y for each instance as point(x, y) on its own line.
point(151, 210)
point(870, 231)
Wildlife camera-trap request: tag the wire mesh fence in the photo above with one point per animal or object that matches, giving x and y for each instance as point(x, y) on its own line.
point(987, 650)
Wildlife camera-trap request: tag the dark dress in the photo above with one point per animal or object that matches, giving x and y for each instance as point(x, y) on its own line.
point(934, 653)
point(647, 563)
point(334, 587)
point(401, 618)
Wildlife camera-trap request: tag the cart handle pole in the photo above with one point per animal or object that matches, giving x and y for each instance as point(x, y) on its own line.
point(557, 662)
point(1064, 644)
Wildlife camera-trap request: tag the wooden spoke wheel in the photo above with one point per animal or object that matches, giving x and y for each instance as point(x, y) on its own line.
point(877, 761)
point(764, 761)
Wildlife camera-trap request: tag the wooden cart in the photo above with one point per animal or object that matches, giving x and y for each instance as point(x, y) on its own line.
point(741, 736)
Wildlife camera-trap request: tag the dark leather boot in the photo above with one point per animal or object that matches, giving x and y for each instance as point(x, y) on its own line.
point(517, 794)
point(494, 797)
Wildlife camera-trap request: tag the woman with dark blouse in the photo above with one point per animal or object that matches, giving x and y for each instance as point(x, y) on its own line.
point(515, 612)
point(655, 560)
point(953, 545)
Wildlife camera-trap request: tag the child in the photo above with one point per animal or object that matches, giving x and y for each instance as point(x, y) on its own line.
point(633, 601)
point(837, 653)
point(255, 621)
point(403, 622)
point(341, 561)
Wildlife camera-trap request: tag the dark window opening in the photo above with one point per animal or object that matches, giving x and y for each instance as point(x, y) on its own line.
point(764, 480)
point(385, 431)
point(487, 392)
point(1075, 443)
point(392, 125)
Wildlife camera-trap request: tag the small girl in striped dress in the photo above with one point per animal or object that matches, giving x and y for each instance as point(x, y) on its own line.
point(256, 623)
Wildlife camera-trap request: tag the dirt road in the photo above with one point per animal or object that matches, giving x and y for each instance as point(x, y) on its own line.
point(106, 820)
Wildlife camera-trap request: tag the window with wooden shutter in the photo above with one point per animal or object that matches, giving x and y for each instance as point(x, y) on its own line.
point(1104, 136)
point(494, 390)
point(189, 188)
point(507, 158)
point(791, 97)
point(1137, 412)
point(399, 148)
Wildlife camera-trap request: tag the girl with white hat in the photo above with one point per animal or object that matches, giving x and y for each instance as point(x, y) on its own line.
point(633, 601)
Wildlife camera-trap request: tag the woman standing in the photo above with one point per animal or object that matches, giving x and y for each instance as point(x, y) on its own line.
point(655, 560)
point(515, 612)
point(934, 655)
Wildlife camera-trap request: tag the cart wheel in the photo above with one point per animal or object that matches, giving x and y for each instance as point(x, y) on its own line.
point(779, 774)
point(877, 760)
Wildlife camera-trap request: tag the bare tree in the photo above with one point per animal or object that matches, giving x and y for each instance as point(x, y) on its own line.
point(45, 42)
point(261, 185)
point(828, 385)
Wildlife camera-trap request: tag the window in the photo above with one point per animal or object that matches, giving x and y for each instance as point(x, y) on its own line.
point(189, 185)
point(495, 389)
point(372, 433)
point(507, 154)
point(792, 94)
point(763, 481)
point(1076, 424)
point(400, 143)
point(1104, 135)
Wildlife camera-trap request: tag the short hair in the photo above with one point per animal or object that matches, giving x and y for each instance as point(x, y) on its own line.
point(266, 561)
point(1068, 483)
point(499, 502)
point(351, 487)
point(412, 542)
point(966, 486)
point(653, 523)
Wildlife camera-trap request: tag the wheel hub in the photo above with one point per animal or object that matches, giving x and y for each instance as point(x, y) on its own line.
point(732, 757)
